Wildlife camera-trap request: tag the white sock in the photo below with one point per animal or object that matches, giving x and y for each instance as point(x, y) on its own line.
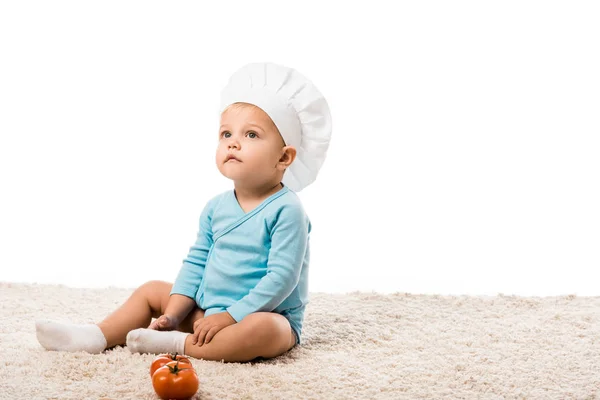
point(63, 336)
point(151, 341)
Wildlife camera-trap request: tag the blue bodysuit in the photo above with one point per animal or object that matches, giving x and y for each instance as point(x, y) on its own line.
point(250, 262)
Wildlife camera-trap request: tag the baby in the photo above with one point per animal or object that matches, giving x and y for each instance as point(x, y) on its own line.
point(242, 290)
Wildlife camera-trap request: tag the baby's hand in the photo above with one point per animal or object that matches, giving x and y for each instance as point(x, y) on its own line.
point(206, 328)
point(163, 323)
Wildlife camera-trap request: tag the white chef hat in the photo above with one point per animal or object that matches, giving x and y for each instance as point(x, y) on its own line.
point(297, 108)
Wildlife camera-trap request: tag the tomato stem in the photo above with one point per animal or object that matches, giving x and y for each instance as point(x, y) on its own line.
point(176, 369)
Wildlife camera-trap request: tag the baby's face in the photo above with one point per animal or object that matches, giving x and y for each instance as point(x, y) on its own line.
point(250, 135)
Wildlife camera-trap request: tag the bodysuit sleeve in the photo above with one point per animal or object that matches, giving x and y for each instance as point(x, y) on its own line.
point(192, 270)
point(289, 240)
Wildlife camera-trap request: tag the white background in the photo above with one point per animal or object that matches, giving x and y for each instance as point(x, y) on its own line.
point(464, 157)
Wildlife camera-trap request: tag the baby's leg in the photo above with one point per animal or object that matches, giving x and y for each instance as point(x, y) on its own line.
point(146, 302)
point(261, 334)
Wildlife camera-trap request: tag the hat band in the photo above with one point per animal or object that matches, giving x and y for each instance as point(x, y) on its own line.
point(276, 106)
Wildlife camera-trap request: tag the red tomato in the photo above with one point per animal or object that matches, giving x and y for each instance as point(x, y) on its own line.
point(163, 359)
point(175, 381)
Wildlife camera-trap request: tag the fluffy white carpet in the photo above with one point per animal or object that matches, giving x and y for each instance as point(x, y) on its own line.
point(356, 345)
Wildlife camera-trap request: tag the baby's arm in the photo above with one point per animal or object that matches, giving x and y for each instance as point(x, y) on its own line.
point(289, 241)
point(179, 306)
point(192, 270)
point(183, 293)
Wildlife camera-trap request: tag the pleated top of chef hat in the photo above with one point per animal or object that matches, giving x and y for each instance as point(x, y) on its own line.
point(297, 108)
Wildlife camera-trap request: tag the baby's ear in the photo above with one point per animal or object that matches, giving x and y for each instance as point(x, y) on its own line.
point(288, 156)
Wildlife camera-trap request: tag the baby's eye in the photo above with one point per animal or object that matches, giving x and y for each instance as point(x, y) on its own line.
point(224, 134)
point(252, 135)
